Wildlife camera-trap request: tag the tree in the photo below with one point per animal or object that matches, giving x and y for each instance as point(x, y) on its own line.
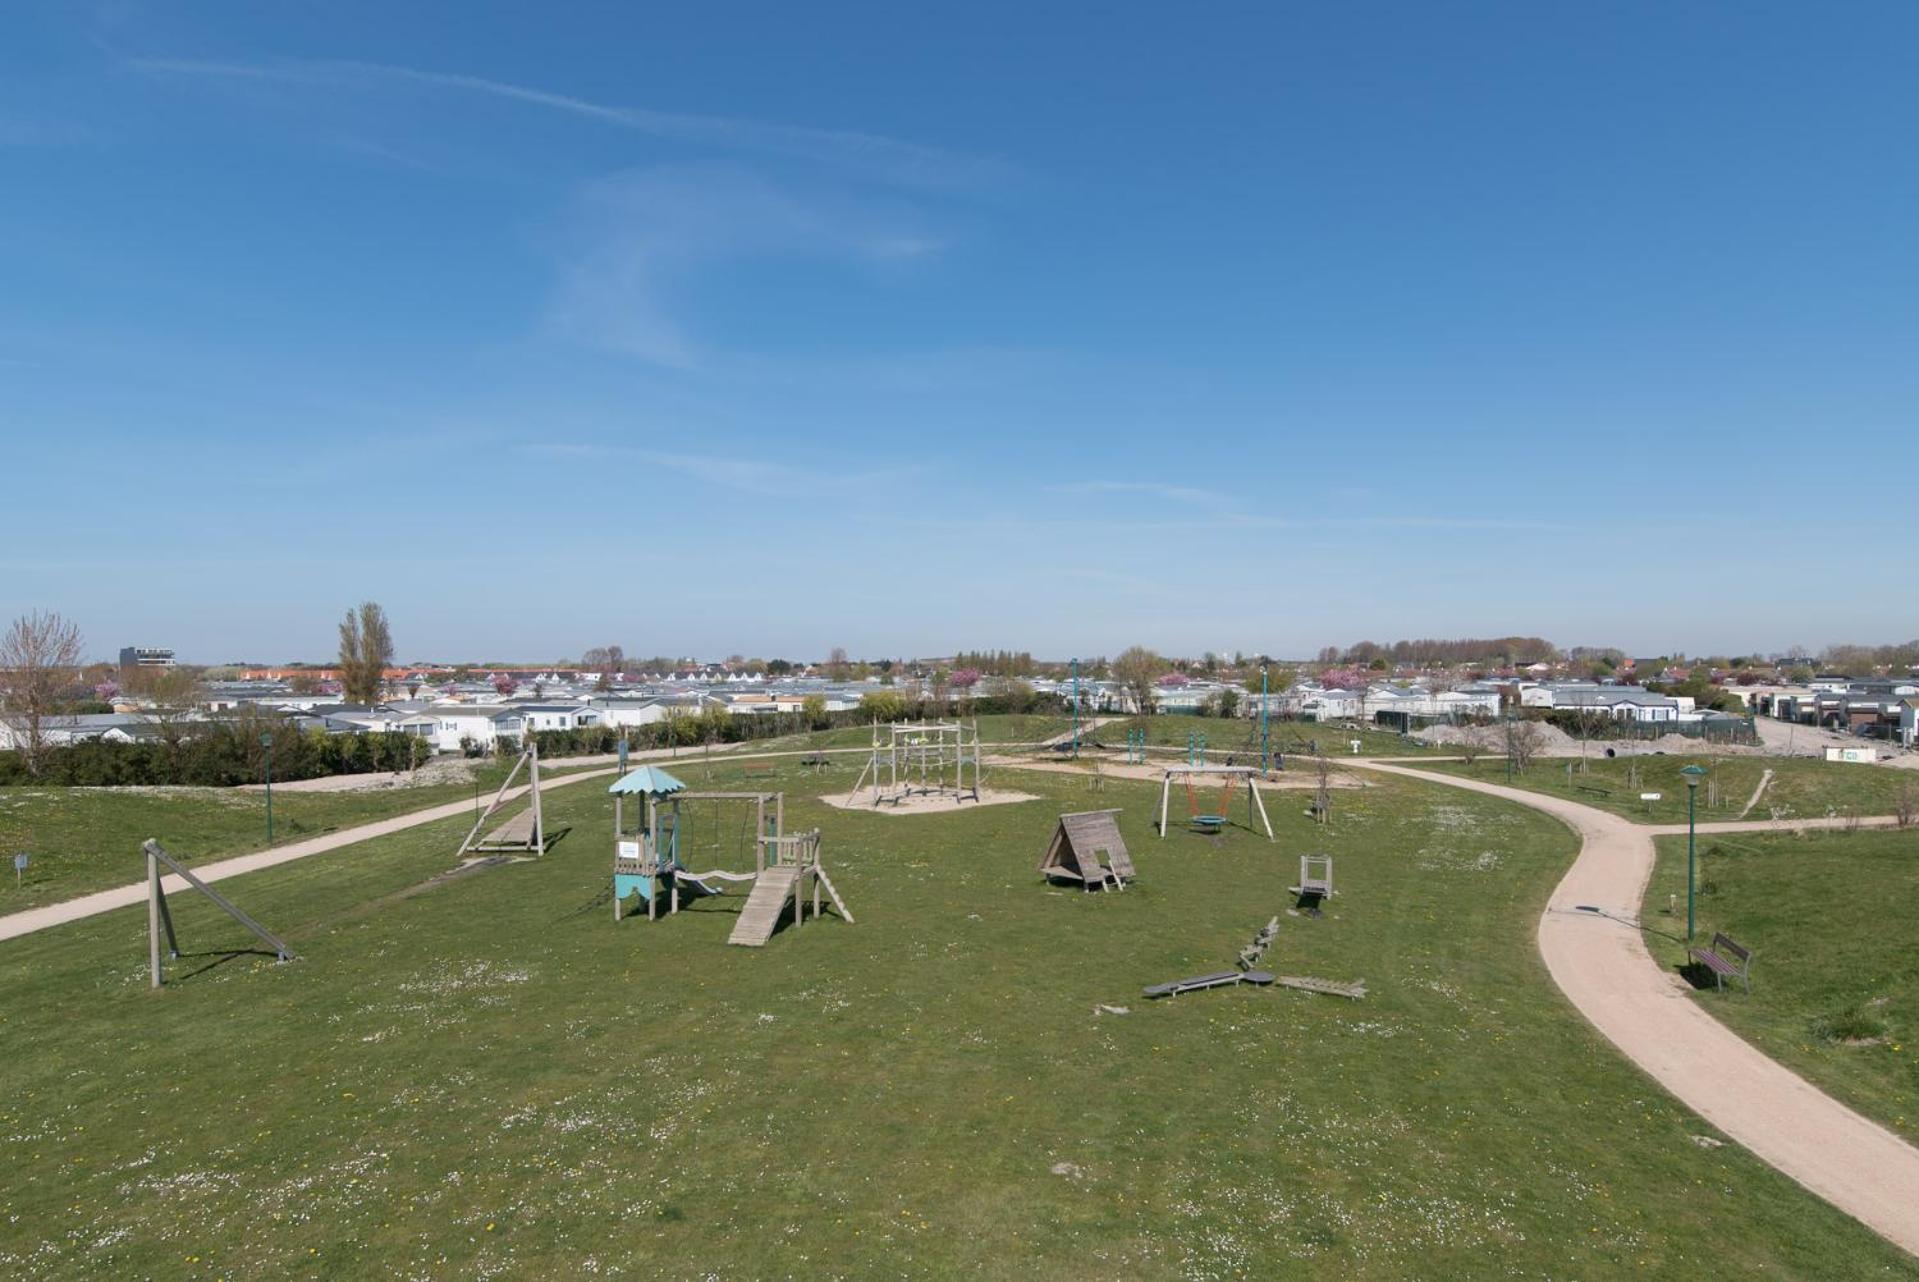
point(1137, 668)
point(1469, 745)
point(836, 666)
point(505, 685)
point(1523, 741)
point(366, 648)
point(1225, 703)
point(607, 660)
point(39, 655)
point(813, 710)
point(883, 705)
point(176, 694)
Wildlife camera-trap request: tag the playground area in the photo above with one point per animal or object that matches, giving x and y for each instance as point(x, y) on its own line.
point(487, 1075)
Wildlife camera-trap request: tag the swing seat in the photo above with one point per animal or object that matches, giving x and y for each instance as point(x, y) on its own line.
point(1208, 823)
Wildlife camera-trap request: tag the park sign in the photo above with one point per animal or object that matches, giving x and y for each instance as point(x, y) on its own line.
point(20, 862)
point(1651, 796)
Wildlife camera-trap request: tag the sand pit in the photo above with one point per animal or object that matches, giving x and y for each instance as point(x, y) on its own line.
point(927, 803)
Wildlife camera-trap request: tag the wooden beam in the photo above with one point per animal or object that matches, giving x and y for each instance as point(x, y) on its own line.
point(1252, 786)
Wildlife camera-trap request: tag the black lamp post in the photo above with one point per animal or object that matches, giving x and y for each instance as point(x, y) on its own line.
point(266, 742)
point(1693, 775)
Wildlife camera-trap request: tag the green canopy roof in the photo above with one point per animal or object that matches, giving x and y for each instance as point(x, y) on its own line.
point(648, 780)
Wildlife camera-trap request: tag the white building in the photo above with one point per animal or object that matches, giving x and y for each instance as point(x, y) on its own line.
point(557, 716)
point(1624, 703)
point(458, 724)
point(625, 713)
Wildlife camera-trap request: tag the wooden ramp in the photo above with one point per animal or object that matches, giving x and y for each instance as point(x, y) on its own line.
point(771, 892)
point(517, 833)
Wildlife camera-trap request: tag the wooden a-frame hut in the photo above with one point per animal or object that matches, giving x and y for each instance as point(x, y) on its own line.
point(1087, 848)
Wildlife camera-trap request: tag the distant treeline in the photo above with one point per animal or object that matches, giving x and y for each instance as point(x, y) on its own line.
point(1498, 652)
point(996, 663)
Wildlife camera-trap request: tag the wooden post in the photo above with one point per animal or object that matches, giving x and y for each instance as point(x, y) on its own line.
point(1165, 795)
point(1260, 802)
point(158, 916)
point(539, 827)
point(153, 916)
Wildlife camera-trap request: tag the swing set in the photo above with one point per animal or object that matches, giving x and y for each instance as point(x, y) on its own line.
point(1211, 821)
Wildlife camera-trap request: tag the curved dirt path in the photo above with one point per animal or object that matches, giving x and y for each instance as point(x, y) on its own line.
point(1600, 962)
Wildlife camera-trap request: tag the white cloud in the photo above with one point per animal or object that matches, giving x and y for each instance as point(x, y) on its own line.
point(634, 241)
point(872, 155)
point(724, 469)
point(1147, 489)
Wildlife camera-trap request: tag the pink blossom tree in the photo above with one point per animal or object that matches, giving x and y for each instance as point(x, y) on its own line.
point(1346, 678)
point(504, 684)
point(107, 691)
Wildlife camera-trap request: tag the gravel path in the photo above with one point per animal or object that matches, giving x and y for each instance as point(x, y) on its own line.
point(1600, 962)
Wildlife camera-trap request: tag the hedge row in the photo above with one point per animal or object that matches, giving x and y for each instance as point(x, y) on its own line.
point(225, 753)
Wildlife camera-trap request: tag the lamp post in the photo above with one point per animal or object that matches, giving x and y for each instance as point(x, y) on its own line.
point(266, 742)
point(1076, 709)
point(1693, 775)
point(1265, 751)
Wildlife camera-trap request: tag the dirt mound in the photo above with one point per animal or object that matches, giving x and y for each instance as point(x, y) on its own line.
point(1553, 742)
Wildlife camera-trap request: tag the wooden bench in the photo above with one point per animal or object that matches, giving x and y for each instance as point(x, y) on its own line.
point(1726, 959)
point(1593, 789)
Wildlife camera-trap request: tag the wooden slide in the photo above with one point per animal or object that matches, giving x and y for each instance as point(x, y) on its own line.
point(761, 916)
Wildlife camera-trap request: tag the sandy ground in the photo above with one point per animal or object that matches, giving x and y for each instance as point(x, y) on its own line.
point(22, 923)
point(1599, 960)
point(438, 770)
point(925, 804)
point(1784, 739)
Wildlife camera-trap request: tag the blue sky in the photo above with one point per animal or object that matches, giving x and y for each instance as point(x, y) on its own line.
point(772, 328)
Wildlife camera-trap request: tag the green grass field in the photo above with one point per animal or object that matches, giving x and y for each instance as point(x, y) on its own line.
point(1832, 918)
point(1012, 728)
point(492, 1079)
point(87, 839)
point(1235, 734)
point(1801, 788)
